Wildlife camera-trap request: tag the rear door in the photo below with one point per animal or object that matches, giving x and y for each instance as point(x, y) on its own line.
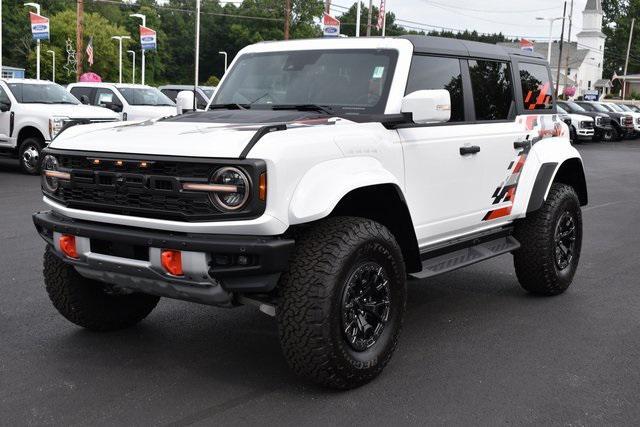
point(452, 169)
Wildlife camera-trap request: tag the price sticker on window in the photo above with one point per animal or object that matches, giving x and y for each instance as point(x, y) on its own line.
point(378, 72)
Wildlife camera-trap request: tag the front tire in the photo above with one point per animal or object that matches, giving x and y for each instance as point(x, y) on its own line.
point(551, 241)
point(29, 155)
point(87, 303)
point(342, 302)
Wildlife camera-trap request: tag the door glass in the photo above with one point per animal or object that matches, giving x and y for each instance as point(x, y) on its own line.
point(536, 87)
point(431, 72)
point(492, 90)
point(106, 96)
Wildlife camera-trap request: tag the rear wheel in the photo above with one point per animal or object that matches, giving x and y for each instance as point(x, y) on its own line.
point(551, 241)
point(343, 301)
point(89, 303)
point(29, 155)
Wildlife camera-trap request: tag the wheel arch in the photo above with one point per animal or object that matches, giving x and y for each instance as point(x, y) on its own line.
point(29, 131)
point(385, 204)
point(570, 172)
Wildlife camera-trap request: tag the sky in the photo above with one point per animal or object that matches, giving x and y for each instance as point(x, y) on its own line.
point(515, 18)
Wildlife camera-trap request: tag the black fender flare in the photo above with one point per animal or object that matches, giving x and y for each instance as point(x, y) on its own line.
point(570, 172)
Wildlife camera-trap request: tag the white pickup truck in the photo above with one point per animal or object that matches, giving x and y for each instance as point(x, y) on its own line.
point(32, 112)
point(323, 173)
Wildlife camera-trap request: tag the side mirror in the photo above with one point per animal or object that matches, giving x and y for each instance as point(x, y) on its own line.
point(5, 106)
point(184, 101)
point(113, 107)
point(84, 99)
point(428, 106)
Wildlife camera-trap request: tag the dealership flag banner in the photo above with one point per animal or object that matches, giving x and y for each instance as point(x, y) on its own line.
point(39, 26)
point(526, 45)
point(147, 38)
point(380, 16)
point(330, 25)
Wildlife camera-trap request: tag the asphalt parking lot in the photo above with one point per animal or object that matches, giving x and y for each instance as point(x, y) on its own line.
point(475, 348)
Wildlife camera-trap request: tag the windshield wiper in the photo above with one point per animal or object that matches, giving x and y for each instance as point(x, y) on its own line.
point(231, 106)
point(304, 107)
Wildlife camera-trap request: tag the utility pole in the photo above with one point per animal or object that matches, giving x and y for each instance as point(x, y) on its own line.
point(626, 61)
point(369, 19)
point(358, 19)
point(327, 6)
point(79, 37)
point(53, 65)
point(287, 17)
point(120, 38)
point(564, 14)
point(133, 66)
point(197, 59)
point(566, 73)
point(144, 24)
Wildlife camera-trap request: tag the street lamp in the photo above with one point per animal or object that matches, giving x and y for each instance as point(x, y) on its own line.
point(551, 21)
point(133, 67)
point(197, 61)
point(53, 61)
point(144, 24)
point(37, 7)
point(225, 61)
point(120, 38)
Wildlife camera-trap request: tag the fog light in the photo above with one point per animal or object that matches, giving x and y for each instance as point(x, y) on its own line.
point(243, 260)
point(172, 261)
point(67, 244)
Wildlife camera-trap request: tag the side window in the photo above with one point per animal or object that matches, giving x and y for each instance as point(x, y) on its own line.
point(106, 96)
point(536, 87)
point(172, 94)
point(4, 98)
point(201, 103)
point(80, 91)
point(492, 90)
point(432, 72)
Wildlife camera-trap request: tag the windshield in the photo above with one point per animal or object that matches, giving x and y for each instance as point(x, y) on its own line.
point(561, 110)
point(614, 107)
point(624, 107)
point(209, 92)
point(598, 107)
point(52, 93)
point(145, 96)
point(575, 107)
point(349, 81)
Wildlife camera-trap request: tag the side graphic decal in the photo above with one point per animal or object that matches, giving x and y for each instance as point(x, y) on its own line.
point(547, 126)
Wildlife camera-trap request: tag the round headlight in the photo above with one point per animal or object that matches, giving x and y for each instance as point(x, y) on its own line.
point(50, 163)
point(231, 201)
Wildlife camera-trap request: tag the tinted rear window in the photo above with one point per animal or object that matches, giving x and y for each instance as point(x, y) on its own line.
point(536, 87)
point(492, 90)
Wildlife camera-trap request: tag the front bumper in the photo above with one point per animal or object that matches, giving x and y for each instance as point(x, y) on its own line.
point(129, 259)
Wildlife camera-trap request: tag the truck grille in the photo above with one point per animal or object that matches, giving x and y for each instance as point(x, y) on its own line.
point(147, 187)
point(603, 121)
point(628, 121)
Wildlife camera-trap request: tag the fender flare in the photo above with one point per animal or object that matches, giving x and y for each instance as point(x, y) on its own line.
point(325, 184)
point(549, 173)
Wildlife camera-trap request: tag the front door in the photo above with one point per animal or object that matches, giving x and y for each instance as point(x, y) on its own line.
point(453, 170)
point(5, 121)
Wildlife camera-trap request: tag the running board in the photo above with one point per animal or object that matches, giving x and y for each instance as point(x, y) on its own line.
point(463, 257)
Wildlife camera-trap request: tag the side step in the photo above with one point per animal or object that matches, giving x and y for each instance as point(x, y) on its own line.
point(440, 264)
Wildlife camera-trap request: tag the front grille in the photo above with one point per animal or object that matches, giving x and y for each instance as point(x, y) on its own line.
point(586, 124)
point(603, 121)
point(628, 121)
point(148, 187)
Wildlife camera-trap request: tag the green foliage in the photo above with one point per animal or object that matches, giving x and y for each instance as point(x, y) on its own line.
point(212, 81)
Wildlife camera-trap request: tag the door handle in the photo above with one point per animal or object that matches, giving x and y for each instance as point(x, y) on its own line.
point(521, 144)
point(471, 149)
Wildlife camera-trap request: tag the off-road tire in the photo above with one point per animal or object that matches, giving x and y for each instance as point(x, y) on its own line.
point(30, 144)
point(535, 261)
point(87, 303)
point(310, 312)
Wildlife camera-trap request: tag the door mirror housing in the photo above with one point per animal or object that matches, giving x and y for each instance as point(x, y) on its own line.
point(184, 101)
point(5, 106)
point(428, 106)
point(84, 99)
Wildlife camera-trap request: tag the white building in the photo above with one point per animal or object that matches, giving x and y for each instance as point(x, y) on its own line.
point(586, 55)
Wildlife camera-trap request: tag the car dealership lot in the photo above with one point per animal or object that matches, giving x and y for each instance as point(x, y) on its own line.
point(475, 348)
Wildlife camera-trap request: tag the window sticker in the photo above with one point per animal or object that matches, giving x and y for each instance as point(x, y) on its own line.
point(378, 72)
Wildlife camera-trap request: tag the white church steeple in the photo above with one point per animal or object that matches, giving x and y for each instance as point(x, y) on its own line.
point(592, 39)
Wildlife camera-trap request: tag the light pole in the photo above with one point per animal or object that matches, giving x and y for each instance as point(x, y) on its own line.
point(144, 24)
point(133, 67)
point(37, 7)
point(551, 21)
point(225, 61)
point(53, 62)
point(120, 38)
point(197, 59)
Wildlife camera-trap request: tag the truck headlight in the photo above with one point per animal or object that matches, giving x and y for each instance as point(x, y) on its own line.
point(56, 124)
point(51, 176)
point(237, 188)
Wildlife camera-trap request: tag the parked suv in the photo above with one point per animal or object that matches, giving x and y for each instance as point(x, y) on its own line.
point(32, 112)
point(603, 130)
point(130, 101)
point(324, 173)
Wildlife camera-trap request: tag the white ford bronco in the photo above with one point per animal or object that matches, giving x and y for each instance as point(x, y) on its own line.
point(323, 173)
point(32, 112)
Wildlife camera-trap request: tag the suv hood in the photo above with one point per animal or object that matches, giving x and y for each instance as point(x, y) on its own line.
point(79, 111)
point(186, 135)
